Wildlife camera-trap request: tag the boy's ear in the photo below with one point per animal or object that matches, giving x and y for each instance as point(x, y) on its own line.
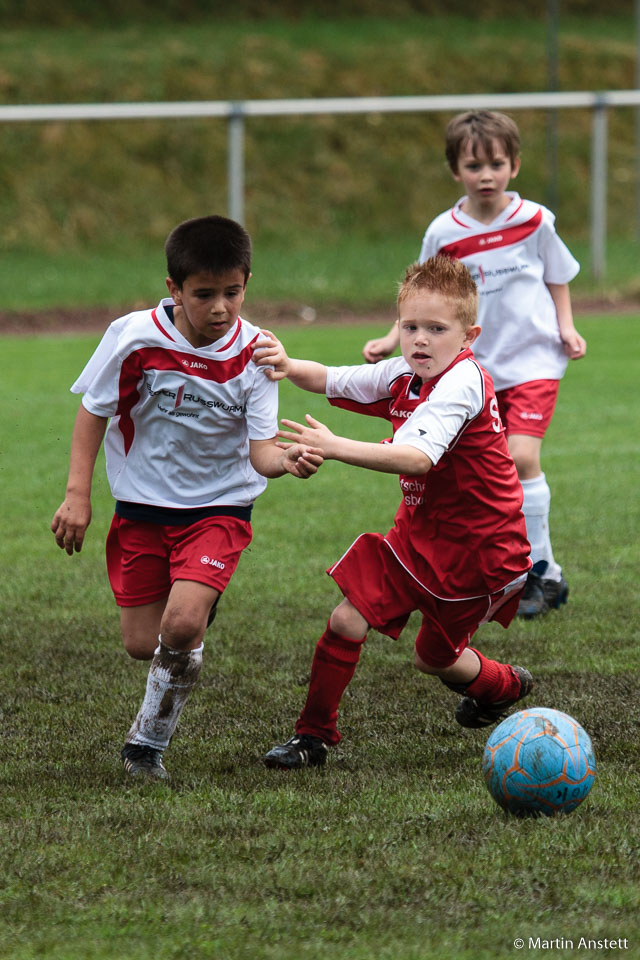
point(515, 168)
point(174, 290)
point(472, 334)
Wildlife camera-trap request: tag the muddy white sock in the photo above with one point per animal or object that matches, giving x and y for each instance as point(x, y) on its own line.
point(172, 676)
point(535, 506)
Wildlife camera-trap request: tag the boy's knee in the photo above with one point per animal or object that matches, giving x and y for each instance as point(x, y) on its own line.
point(528, 468)
point(434, 669)
point(140, 647)
point(181, 629)
point(423, 666)
point(526, 456)
point(347, 621)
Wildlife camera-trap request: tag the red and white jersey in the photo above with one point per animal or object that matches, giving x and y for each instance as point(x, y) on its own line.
point(459, 530)
point(511, 261)
point(181, 416)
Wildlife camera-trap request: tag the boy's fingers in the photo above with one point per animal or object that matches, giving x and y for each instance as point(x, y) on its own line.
point(293, 425)
point(312, 421)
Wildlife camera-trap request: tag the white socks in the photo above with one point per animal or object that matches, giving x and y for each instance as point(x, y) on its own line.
point(535, 506)
point(172, 676)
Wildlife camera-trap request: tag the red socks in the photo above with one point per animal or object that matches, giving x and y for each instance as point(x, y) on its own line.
point(334, 663)
point(495, 682)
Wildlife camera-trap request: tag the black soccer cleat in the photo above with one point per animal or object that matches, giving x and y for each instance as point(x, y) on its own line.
point(302, 750)
point(143, 762)
point(541, 594)
point(474, 715)
point(556, 592)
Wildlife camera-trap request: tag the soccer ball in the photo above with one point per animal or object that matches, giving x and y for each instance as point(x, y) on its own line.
point(539, 761)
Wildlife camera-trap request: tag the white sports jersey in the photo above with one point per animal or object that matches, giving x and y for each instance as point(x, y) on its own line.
point(181, 416)
point(511, 261)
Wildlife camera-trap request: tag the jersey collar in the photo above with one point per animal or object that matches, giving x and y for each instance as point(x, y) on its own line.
point(428, 385)
point(162, 319)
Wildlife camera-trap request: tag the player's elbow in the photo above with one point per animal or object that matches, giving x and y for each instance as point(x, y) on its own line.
point(415, 463)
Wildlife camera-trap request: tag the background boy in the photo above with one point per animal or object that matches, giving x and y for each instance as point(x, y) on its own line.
point(458, 550)
point(522, 270)
point(191, 438)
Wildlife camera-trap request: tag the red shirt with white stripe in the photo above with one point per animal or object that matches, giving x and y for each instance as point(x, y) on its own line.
point(459, 530)
point(181, 417)
point(511, 260)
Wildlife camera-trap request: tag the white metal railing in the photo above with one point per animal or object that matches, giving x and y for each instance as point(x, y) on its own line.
point(236, 113)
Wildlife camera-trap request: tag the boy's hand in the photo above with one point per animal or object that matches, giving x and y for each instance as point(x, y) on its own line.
point(299, 460)
point(315, 434)
point(70, 523)
point(269, 351)
point(375, 350)
point(575, 346)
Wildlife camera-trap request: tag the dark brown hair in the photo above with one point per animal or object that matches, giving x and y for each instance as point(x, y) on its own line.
point(481, 128)
point(210, 244)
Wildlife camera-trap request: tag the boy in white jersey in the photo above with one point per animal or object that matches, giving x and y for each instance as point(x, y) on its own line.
point(457, 552)
point(190, 425)
point(522, 270)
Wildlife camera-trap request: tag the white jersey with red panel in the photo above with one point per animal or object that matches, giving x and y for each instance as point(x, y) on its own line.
point(459, 530)
point(181, 416)
point(511, 260)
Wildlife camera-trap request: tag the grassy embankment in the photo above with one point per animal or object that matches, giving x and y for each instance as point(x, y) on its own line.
point(337, 205)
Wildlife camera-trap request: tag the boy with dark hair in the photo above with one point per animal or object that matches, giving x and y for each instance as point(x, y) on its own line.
point(457, 551)
point(190, 425)
point(522, 270)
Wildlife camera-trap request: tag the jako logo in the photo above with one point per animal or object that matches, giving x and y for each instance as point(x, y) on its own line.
point(212, 563)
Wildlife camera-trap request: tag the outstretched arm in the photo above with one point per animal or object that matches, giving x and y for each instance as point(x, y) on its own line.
point(306, 374)
point(73, 516)
point(384, 457)
point(575, 346)
point(272, 459)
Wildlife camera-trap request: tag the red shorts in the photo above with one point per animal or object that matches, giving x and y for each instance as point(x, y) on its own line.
point(528, 407)
point(144, 559)
point(379, 587)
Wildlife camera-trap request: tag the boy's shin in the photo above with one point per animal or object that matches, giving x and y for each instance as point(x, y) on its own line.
point(334, 663)
point(172, 676)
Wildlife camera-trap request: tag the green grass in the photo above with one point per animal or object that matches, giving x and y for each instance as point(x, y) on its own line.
point(394, 851)
point(360, 273)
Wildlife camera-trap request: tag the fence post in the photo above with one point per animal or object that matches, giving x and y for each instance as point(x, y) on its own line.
point(599, 145)
point(235, 163)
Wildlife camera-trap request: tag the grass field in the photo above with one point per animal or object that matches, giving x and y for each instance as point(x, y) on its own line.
point(394, 851)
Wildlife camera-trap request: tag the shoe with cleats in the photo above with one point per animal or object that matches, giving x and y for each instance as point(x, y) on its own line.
point(302, 750)
point(143, 762)
point(541, 594)
point(470, 713)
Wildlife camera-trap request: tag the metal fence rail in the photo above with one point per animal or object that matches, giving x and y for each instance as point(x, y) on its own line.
point(237, 112)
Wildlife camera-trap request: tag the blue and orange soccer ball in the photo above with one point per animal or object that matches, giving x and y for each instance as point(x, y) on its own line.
point(539, 761)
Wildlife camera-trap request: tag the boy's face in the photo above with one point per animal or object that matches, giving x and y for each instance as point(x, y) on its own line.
point(431, 336)
point(485, 178)
point(208, 305)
